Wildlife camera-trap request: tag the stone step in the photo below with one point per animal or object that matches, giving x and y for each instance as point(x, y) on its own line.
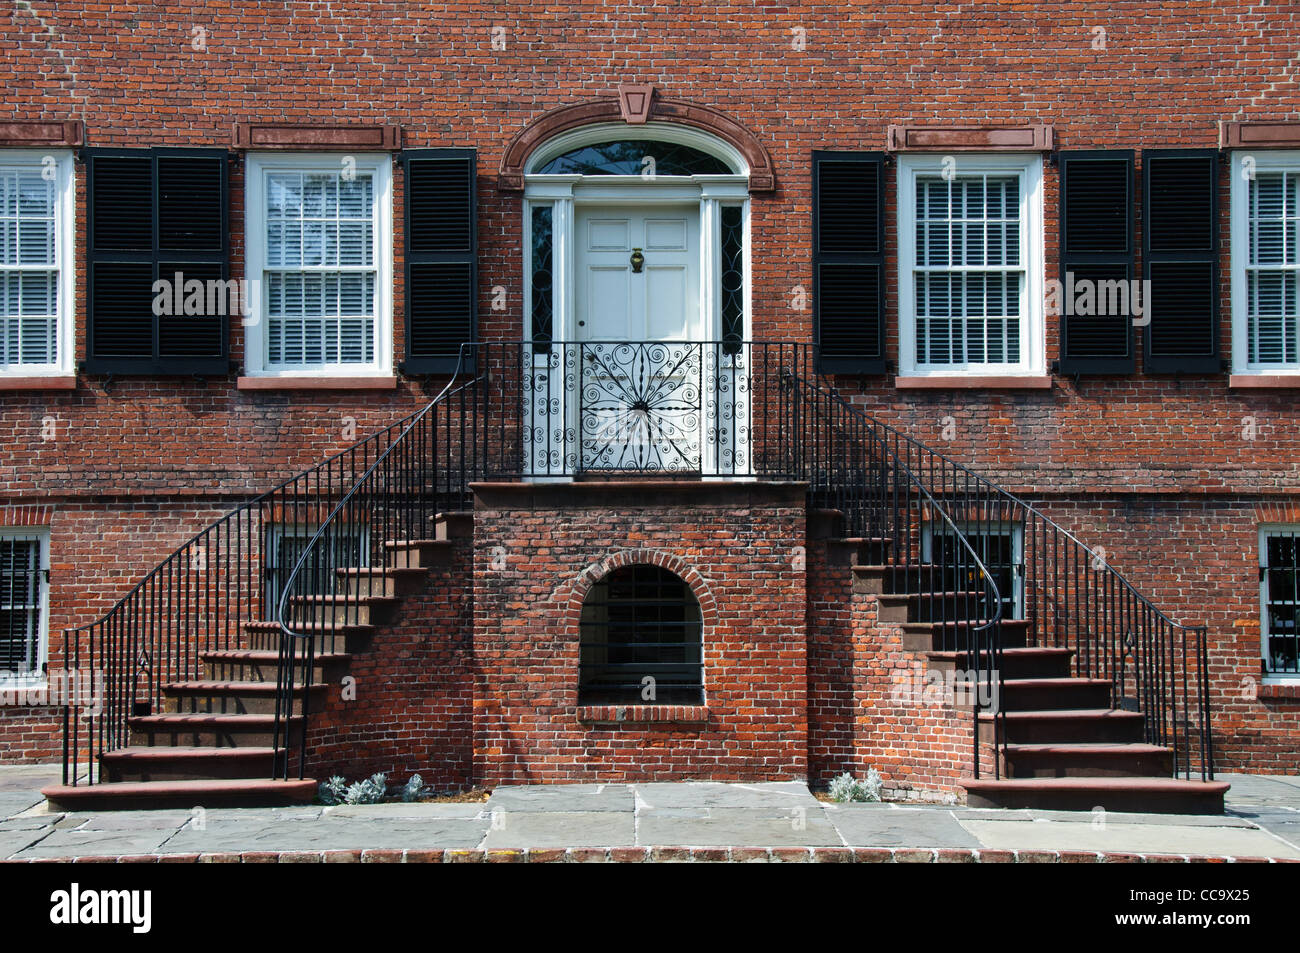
point(210, 731)
point(392, 582)
point(958, 636)
point(329, 639)
point(144, 795)
point(929, 606)
point(1044, 694)
point(1086, 760)
point(1140, 795)
point(419, 553)
point(233, 698)
point(1080, 725)
point(262, 665)
point(348, 610)
point(179, 763)
point(1030, 662)
point(454, 524)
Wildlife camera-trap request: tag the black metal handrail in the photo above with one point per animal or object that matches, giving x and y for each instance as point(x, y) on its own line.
point(199, 599)
point(1069, 594)
point(381, 520)
point(856, 470)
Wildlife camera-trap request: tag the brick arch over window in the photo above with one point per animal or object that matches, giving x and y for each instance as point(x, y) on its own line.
point(597, 571)
point(551, 124)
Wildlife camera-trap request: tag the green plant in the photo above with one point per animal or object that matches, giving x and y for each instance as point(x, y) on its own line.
point(845, 787)
point(414, 789)
point(370, 791)
point(333, 790)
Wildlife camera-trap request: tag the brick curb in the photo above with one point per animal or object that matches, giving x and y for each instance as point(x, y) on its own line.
point(775, 855)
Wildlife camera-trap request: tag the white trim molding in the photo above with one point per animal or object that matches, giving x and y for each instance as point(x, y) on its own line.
point(1028, 168)
point(56, 164)
point(1246, 166)
point(255, 342)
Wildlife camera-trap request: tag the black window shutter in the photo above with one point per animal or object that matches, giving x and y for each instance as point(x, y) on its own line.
point(849, 262)
point(1180, 257)
point(1096, 245)
point(441, 258)
point(154, 213)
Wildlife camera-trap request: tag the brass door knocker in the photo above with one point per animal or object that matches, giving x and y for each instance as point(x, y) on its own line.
point(638, 260)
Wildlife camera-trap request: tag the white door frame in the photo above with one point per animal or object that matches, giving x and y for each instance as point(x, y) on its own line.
point(565, 193)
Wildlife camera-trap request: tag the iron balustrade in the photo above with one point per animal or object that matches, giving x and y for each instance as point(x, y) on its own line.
point(984, 564)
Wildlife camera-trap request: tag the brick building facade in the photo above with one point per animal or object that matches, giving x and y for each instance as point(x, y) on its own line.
point(1170, 446)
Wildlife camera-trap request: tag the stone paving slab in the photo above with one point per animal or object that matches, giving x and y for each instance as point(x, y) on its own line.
point(874, 825)
point(782, 795)
point(1166, 838)
point(724, 826)
point(695, 821)
point(563, 798)
point(327, 834)
point(561, 829)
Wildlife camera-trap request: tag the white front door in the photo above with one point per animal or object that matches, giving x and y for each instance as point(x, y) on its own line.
point(639, 335)
point(659, 300)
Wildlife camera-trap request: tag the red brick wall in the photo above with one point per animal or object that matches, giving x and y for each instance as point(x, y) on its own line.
point(410, 709)
point(538, 550)
point(98, 551)
point(1167, 73)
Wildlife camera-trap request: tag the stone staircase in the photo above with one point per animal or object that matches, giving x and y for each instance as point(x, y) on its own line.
point(1066, 745)
point(214, 744)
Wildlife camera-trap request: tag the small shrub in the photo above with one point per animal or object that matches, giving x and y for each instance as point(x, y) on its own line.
point(333, 791)
point(370, 791)
point(845, 787)
point(414, 789)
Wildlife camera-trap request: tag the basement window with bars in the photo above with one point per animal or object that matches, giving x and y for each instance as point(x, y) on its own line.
point(1279, 580)
point(999, 546)
point(24, 605)
point(344, 546)
point(1266, 262)
point(641, 640)
point(970, 265)
point(320, 255)
point(35, 263)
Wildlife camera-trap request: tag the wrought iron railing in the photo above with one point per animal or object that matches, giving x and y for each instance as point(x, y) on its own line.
point(1058, 591)
point(982, 563)
point(201, 597)
point(423, 470)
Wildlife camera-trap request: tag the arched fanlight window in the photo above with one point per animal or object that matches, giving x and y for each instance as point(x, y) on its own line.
point(641, 640)
point(629, 157)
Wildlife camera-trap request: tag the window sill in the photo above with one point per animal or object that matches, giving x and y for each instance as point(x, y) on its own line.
point(635, 714)
point(974, 382)
point(1263, 381)
point(317, 383)
point(38, 382)
point(1287, 689)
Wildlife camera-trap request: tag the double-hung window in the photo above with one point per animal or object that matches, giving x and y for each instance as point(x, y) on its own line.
point(1266, 262)
point(1279, 580)
point(320, 265)
point(24, 604)
point(970, 239)
point(36, 269)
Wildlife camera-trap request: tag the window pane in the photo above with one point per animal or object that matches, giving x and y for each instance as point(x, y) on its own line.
point(321, 275)
point(969, 274)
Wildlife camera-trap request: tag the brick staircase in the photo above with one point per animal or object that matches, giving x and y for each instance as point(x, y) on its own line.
point(1066, 745)
point(214, 743)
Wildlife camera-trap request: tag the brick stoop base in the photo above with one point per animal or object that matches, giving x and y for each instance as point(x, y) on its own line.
point(638, 855)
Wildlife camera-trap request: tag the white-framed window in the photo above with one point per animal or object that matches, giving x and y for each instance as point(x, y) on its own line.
point(1279, 601)
point(1265, 262)
point(970, 241)
point(320, 264)
point(36, 263)
point(24, 604)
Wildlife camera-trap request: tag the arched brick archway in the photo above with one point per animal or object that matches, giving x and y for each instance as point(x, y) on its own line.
point(582, 584)
point(511, 178)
